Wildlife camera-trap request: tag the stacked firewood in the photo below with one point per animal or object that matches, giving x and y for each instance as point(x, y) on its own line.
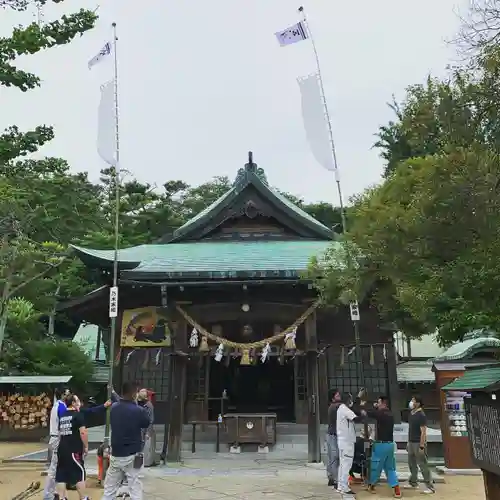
point(25, 412)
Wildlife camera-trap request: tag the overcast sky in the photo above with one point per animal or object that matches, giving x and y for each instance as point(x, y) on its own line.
point(203, 82)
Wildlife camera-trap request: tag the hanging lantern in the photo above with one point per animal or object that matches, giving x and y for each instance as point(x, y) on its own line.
point(245, 357)
point(193, 340)
point(247, 332)
point(372, 356)
point(290, 340)
point(204, 345)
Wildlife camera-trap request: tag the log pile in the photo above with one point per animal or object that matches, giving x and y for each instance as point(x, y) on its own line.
point(25, 412)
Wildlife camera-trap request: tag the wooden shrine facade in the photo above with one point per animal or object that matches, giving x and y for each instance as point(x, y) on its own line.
point(198, 310)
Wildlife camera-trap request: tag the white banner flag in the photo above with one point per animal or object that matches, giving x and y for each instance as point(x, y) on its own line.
point(106, 125)
point(293, 34)
point(105, 51)
point(315, 124)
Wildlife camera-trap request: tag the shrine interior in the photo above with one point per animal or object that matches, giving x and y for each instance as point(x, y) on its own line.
point(259, 388)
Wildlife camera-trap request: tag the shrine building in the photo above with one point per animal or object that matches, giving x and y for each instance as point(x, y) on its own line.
point(217, 317)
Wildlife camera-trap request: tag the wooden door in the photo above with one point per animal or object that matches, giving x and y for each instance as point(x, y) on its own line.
point(197, 388)
point(300, 389)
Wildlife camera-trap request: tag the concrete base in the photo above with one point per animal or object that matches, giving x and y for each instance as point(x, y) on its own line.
point(235, 449)
point(441, 469)
point(263, 449)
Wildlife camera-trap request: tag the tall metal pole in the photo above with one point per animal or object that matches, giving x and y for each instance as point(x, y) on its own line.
point(113, 317)
point(355, 318)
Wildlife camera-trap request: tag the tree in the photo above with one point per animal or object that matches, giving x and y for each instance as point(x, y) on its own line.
point(31, 192)
point(428, 246)
point(324, 212)
point(480, 28)
point(28, 349)
point(463, 109)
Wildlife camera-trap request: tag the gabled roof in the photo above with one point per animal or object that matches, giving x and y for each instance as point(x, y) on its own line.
point(252, 175)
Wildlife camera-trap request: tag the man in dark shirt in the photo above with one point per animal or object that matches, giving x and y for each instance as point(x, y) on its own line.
point(332, 464)
point(127, 423)
point(417, 447)
point(73, 445)
point(383, 450)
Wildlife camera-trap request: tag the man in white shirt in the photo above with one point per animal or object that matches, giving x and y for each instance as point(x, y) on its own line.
point(346, 439)
point(58, 408)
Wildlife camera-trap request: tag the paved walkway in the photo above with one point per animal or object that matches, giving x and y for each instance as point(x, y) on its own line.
point(243, 479)
point(243, 483)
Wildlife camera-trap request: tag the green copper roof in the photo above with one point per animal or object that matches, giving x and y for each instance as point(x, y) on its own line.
point(476, 379)
point(467, 348)
point(214, 259)
point(254, 176)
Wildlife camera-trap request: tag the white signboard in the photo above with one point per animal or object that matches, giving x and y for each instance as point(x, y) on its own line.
point(113, 302)
point(355, 316)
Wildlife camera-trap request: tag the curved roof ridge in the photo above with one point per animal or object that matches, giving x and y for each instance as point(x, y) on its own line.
point(467, 348)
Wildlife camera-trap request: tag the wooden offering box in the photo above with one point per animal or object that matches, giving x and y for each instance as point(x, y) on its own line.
point(255, 428)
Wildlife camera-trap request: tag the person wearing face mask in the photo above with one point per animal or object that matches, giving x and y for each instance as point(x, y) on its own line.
point(332, 449)
point(417, 447)
point(346, 439)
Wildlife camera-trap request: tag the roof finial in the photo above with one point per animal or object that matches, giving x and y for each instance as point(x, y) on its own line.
point(250, 166)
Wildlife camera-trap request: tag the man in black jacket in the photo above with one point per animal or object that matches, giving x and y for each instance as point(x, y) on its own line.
point(127, 423)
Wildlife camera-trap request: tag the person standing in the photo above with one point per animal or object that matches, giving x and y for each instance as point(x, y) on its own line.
point(383, 450)
point(332, 449)
point(144, 400)
point(417, 447)
point(128, 420)
point(58, 408)
point(73, 446)
point(346, 439)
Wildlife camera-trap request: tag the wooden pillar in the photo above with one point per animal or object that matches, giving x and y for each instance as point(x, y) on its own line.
point(313, 418)
point(491, 485)
point(392, 382)
point(178, 394)
point(323, 388)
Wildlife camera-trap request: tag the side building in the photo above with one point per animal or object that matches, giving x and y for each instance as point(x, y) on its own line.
point(220, 307)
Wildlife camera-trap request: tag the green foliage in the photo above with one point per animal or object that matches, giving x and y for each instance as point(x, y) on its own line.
point(437, 117)
point(51, 357)
point(429, 245)
point(34, 38)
